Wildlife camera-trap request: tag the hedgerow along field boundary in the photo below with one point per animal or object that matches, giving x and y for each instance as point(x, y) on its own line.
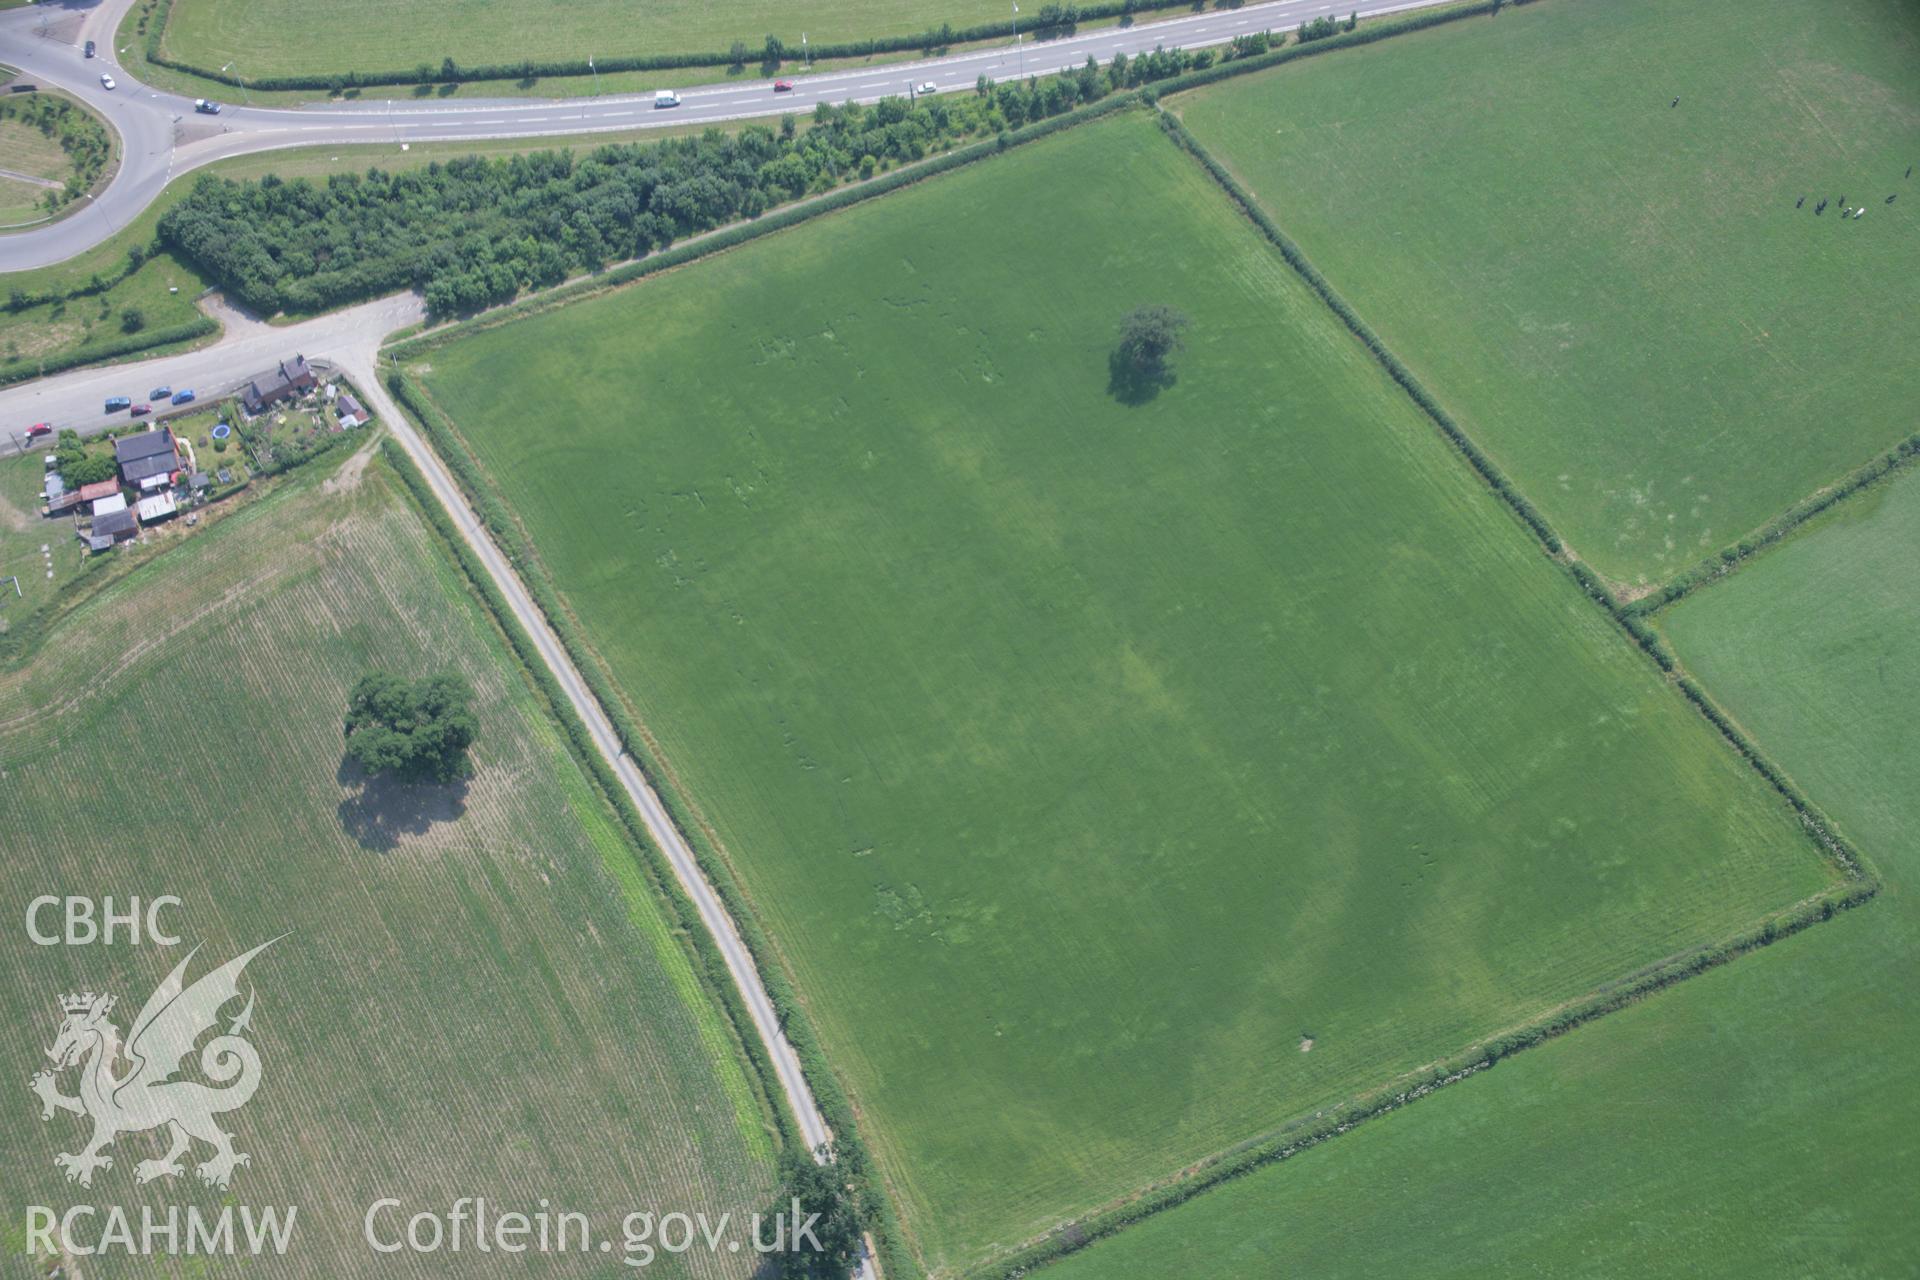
point(1859, 881)
point(500, 937)
point(1571, 246)
point(1198, 194)
point(482, 40)
point(1676, 1131)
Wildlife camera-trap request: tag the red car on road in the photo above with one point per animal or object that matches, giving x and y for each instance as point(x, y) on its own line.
point(39, 429)
point(142, 410)
point(783, 86)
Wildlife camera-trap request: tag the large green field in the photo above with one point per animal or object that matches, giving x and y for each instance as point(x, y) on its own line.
point(1118, 781)
point(1760, 1121)
point(375, 36)
point(1614, 294)
point(477, 994)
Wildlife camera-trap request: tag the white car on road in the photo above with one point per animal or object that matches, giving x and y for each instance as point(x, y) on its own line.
point(106, 81)
point(925, 89)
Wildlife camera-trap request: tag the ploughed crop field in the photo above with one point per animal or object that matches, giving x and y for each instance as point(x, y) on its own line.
point(371, 35)
point(476, 994)
point(1615, 293)
point(1119, 780)
point(1755, 1121)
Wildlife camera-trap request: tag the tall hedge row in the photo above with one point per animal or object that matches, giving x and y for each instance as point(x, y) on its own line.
point(113, 348)
point(1731, 558)
point(1306, 1133)
point(1041, 25)
point(850, 1153)
point(653, 863)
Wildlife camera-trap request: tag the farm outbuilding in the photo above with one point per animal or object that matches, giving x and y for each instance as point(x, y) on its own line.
point(115, 525)
point(351, 413)
point(156, 507)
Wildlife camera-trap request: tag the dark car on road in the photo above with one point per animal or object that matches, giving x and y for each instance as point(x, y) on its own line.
point(206, 106)
point(116, 403)
point(89, 48)
point(159, 393)
point(183, 396)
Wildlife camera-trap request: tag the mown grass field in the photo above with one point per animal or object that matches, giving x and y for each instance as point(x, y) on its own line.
point(1085, 758)
point(1760, 1120)
point(25, 150)
point(369, 35)
point(49, 330)
point(478, 994)
point(1615, 295)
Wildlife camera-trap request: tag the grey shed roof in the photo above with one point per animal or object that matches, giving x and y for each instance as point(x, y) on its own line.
point(113, 522)
point(148, 444)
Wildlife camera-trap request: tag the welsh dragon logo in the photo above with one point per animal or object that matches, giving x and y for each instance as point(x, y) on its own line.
point(132, 1089)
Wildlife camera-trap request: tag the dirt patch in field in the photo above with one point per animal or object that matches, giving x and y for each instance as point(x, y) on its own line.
point(347, 478)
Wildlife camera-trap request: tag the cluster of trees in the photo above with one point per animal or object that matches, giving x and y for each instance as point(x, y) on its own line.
point(1322, 27)
point(76, 465)
point(78, 132)
point(473, 232)
point(415, 731)
point(820, 1211)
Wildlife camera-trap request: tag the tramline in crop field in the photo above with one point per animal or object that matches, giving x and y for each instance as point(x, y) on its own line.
point(477, 994)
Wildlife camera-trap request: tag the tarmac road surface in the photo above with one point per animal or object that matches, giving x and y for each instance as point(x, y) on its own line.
point(164, 137)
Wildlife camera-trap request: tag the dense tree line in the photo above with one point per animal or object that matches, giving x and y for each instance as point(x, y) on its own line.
point(472, 232)
point(78, 132)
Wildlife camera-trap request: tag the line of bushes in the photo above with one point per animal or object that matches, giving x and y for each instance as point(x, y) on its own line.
point(767, 224)
point(1482, 464)
point(29, 367)
point(1731, 558)
point(1049, 22)
point(706, 954)
point(1860, 885)
point(1303, 1135)
point(850, 1153)
point(475, 232)
point(794, 214)
point(19, 299)
point(1830, 844)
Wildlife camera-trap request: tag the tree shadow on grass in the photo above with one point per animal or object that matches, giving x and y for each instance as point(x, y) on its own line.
point(1132, 385)
point(381, 811)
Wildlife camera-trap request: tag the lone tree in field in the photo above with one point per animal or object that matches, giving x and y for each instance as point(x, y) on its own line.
point(1149, 337)
point(417, 731)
